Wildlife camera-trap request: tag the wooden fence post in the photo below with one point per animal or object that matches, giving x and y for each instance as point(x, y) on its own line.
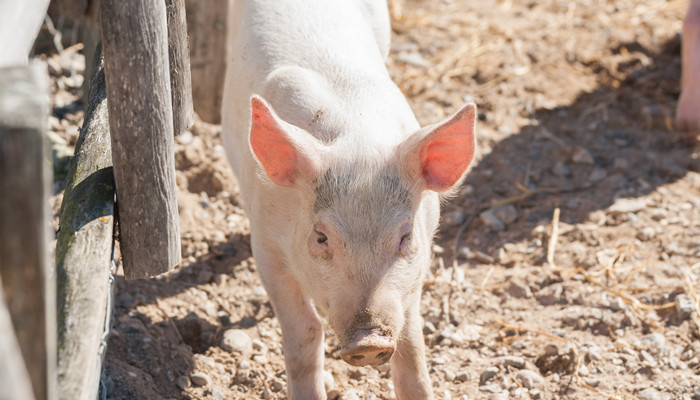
point(179, 56)
point(20, 22)
point(24, 230)
point(135, 47)
point(207, 26)
point(83, 250)
point(14, 379)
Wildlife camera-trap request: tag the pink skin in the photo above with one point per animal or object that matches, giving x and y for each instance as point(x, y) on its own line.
point(688, 111)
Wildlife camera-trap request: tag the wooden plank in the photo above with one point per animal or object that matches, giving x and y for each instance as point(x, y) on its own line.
point(135, 46)
point(24, 215)
point(179, 56)
point(20, 21)
point(207, 26)
point(83, 250)
point(14, 379)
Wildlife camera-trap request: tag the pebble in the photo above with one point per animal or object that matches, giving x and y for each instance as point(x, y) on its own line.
point(328, 382)
point(449, 376)
point(276, 386)
point(199, 379)
point(684, 306)
point(490, 388)
point(488, 374)
point(267, 394)
point(237, 341)
point(582, 156)
point(507, 214)
point(627, 205)
point(412, 58)
point(649, 394)
point(655, 343)
point(697, 393)
point(216, 393)
point(498, 396)
point(462, 377)
point(518, 289)
point(646, 233)
point(349, 395)
point(529, 379)
point(491, 220)
point(511, 361)
point(453, 218)
point(182, 382)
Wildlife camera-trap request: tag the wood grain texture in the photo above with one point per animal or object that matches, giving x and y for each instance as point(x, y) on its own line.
point(24, 219)
point(83, 250)
point(14, 379)
point(135, 47)
point(207, 26)
point(20, 22)
point(179, 57)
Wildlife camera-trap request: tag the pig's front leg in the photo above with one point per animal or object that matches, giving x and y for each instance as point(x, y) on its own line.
point(408, 369)
point(688, 110)
point(302, 329)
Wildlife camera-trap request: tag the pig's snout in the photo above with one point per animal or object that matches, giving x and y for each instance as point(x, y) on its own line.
point(368, 346)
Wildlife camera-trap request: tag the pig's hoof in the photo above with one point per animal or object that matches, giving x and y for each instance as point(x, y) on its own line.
point(368, 348)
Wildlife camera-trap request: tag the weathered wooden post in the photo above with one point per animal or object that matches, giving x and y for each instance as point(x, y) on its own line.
point(179, 56)
point(14, 379)
point(208, 28)
point(135, 47)
point(83, 250)
point(25, 264)
point(20, 21)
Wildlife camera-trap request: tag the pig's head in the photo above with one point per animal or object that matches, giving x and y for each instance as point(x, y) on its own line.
point(362, 243)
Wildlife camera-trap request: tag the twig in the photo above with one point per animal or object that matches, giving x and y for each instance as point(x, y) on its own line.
point(551, 247)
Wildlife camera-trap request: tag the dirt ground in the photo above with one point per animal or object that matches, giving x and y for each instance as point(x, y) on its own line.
point(576, 103)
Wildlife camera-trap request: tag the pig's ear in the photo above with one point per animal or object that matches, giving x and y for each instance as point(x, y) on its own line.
point(285, 153)
point(446, 150)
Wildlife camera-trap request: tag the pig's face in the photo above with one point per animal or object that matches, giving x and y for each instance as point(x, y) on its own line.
point(362, 243)
point(368, 239)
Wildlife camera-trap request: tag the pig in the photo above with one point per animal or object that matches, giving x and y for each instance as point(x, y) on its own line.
point(688, 109)
point(340, 183)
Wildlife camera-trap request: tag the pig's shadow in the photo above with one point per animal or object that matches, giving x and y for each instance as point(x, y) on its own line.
point(612, 143)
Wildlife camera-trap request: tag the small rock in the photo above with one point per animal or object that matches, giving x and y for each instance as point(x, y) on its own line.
point(237, 341)
point(242, 375)
point(507, 214)
point(462, 377)
point(552, 294)
point(582, 156)
point(412, 58)
point(491, 220)
point(499, 396)
point(349, 395)
point(216, 393)
point(328, 382)
point(628, 205)
point(490, 388)
point(185, 138)
point(450, 376)
point(697, 393)
point(529, 379)
point(182, 382)
point(655, 343)
point(511, 361)
point(518, 289)
point(267, 394)
point(488, 374)
point(482, 257)
point(453, 218)
point(199, 379)
point(684, 306)
point(276, 386)
point(597, 175)
point(646, 233)
point(649, 394)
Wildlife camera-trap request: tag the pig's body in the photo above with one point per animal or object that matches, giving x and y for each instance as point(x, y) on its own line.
point(339, 182)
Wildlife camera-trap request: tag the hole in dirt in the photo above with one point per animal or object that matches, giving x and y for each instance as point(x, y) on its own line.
point(196, 332)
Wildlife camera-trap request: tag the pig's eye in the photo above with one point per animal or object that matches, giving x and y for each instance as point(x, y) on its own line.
point(404, 240)
point(322, 238)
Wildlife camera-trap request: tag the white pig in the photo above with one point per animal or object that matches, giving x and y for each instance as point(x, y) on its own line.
point(339, 181)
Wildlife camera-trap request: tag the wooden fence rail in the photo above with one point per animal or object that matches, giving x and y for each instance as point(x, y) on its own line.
point(83, 250)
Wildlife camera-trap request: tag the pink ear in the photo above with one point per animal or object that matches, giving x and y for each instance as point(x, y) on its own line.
point(447, 151)
point(273, 146)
